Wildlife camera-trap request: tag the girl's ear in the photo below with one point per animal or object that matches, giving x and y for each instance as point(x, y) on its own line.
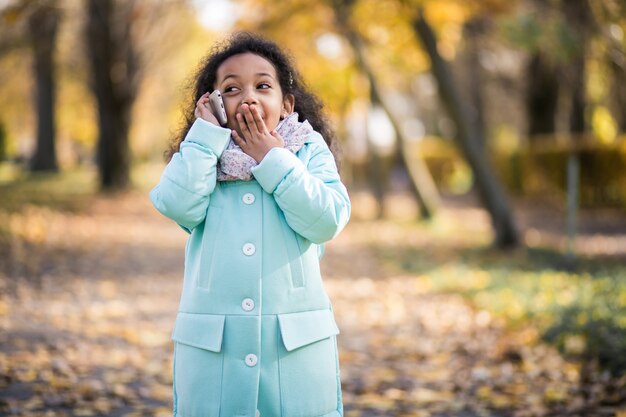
point(289, 103)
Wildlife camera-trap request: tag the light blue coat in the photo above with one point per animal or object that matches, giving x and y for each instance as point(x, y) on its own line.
point(255, 332)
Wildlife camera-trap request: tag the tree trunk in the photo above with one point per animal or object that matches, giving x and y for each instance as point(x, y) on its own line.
point(473, 31)
point(115, 73)
point(3, 142)
point(489, 188)
point(618, 92)
point(422, 183)
point(580, 16)
point(377, 180)
point(542, 96)
point(578, 125)
point(43, 26)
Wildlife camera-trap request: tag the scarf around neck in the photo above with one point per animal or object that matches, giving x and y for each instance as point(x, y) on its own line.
point(236, 165)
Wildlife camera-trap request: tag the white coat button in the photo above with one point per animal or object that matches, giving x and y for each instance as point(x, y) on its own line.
point(248, 198)
point(249, 249)
point(251, 359)
point(258, 413)
point(247, 304)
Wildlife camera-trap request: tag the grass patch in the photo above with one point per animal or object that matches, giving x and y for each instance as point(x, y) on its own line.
point(581, 310)
point(65, 191)
point(70, 190)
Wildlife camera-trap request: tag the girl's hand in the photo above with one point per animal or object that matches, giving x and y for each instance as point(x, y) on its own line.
point(204, 111)
point(257, 141)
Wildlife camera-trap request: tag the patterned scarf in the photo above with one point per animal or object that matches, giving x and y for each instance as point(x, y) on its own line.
point(236, 165)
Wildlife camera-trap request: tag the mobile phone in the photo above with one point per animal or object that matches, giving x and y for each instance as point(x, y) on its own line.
point(217, 105)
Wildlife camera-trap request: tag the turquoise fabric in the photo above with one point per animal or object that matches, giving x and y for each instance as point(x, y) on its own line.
point(255, 328)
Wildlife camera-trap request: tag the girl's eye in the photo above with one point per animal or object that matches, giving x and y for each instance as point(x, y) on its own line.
point(264, 86)
point(230, 89)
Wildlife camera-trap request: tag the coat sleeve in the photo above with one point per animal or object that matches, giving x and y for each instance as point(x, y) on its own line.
point(184, 191)
point(312, 197)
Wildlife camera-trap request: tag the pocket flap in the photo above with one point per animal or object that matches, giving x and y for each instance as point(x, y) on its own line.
point(203, 331)
point(300, 329)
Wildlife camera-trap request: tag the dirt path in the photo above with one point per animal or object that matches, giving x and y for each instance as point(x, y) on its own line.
point(86, 314)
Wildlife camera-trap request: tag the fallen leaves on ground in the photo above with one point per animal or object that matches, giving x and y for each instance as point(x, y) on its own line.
point(88, 302)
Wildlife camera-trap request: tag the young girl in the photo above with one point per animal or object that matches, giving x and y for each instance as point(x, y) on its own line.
point(255, 333)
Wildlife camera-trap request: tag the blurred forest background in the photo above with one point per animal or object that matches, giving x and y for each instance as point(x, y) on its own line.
point(484, 148)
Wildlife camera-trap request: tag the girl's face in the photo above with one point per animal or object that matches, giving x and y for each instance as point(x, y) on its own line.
point(248, 78)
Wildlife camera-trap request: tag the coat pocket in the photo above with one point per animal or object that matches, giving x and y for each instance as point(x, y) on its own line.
point(308, 366)
point(198, 363)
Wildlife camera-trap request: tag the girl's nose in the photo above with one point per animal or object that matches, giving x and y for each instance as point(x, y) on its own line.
point(249, 98)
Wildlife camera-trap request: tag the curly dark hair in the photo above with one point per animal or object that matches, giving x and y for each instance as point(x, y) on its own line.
point(307, 105)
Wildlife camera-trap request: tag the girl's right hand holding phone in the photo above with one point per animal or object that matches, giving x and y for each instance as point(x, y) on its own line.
point(203, 110)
